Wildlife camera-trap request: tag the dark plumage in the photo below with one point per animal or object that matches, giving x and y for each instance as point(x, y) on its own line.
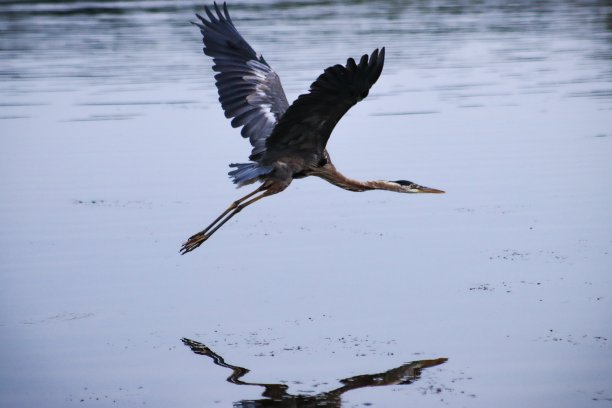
point(288, 141)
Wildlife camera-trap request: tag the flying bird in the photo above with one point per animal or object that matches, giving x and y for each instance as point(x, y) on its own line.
point(289, 141)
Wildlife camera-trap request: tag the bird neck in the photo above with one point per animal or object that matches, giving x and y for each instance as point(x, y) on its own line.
point(330, 174)
point(384, 185)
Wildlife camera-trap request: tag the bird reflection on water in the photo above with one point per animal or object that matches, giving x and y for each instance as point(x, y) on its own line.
point(276, 395)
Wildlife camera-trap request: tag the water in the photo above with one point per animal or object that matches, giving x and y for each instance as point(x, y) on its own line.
point(114, 150)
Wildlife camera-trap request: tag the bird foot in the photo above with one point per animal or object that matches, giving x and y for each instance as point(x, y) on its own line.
point(193, 242)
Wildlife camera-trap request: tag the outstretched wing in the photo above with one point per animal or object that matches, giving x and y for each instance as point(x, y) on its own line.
point(306, 126)
point(250, 91)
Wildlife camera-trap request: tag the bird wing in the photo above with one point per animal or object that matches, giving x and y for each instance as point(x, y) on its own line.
point(250, 91)
point(305, 127)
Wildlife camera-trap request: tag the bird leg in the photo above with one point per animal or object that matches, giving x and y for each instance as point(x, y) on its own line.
point(231, 207)
point(198, 239)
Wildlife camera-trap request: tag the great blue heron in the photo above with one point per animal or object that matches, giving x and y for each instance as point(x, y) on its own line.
point(288, 140)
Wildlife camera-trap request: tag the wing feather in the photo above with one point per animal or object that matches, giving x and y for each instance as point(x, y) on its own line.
point(250, 91)
point(307, 124)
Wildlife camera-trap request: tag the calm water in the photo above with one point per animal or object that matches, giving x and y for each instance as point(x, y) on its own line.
point(114, 150)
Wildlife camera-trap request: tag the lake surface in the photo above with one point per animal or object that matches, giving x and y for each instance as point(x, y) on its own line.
point(114, 149)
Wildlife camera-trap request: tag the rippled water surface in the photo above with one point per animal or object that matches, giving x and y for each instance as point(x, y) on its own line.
point(114, 149)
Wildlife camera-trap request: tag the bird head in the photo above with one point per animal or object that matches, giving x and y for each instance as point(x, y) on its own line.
point(405, 186)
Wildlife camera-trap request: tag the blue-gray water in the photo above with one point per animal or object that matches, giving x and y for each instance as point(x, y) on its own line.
point(113, 150)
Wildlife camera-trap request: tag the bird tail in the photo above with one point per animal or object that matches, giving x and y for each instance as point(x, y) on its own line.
point(247, 173)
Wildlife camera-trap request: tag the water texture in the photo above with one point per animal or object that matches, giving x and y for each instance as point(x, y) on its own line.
point(114, 149)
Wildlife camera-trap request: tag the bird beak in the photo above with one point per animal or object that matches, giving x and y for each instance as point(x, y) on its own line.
point(422, 189)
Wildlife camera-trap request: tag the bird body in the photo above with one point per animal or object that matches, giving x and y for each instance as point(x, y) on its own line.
point(289, 141)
